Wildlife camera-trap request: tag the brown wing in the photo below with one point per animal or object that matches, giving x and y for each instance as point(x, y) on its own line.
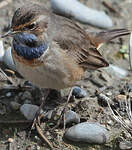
point(77, 44)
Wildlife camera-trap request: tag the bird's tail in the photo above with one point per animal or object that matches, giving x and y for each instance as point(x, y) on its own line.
point(105, 36)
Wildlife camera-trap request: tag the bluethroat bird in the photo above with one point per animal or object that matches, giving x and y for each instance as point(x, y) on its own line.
point(52, 51)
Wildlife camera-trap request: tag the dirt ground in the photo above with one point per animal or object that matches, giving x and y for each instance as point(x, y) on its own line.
point(89, 108)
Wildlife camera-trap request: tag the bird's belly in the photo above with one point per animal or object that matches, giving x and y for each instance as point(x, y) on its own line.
point(41, 78)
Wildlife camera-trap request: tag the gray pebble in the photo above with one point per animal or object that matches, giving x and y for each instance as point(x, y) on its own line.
point(79, 92)
point(105, 76)
point(28, 83)
point(72, 116)
point(49, 114)
point(27, 101)
point(65, 92)
point(15, 105)
point(88, 132)
point(2, 109)
point(125, 145)
point(129, 87)
point(26, 95)
point(29, 111)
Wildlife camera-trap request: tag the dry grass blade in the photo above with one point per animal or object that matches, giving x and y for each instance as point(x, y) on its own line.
point(8, 78)
point(111, 8)
point(43, 136)
point(120, 119)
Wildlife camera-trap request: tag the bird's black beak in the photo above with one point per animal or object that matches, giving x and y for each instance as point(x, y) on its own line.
point(9, 33)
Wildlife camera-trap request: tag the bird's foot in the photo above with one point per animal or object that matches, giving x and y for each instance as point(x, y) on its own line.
point(62, 116)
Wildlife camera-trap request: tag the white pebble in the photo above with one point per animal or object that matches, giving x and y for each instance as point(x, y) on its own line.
point(8, 60)
point(80, 12)
point(8, 94)
point(10, 140)
point(117, 71)
point(38, 147)
point(2, 51)
point(88, 132)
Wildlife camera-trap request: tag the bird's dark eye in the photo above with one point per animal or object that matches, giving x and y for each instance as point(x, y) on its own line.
point(31, 26)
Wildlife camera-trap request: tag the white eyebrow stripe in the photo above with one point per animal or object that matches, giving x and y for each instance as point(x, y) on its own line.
point(41, 17)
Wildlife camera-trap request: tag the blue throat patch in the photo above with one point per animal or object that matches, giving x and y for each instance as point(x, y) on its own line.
point(28, 46)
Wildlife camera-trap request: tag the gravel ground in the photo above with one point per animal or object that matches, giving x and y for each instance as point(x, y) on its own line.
point(14, 128)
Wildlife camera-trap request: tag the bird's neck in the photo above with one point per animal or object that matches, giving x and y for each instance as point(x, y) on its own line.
point(28, 46)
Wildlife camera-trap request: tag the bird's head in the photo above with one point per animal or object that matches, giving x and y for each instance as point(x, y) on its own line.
point(31, 18)
point(28, 28)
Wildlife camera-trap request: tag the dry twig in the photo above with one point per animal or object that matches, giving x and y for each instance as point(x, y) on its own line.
point(8, 78)
point(43, 137)
point(112, 9)
point(120, 119)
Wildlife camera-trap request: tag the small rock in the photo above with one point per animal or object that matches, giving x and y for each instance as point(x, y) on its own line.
point(79, 92)
point(36, 138)
point(103, 100)
point(104, 76)
point(8, 94)
point(88, 132)
point(110, 122)
point(28, 83)
point(49, 114)
point(65, 92)
point(125, 145)
point(129, 87)
point(26, 95)
point(38, 147)
point(101, 110)
point(10, 140)
point(15, 105)
point(92, 149)
point(95, 80)
point(2, 51)
point(27, 101)
point(2, 109)
point(29, 111)
point(116, 71)
point(72, 116)
point(8, 60)
point(69, 8)
point(109, 93)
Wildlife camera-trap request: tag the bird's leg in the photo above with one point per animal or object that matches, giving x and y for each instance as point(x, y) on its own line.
point(37, 116)
point(63, 111)
point(36, 122)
